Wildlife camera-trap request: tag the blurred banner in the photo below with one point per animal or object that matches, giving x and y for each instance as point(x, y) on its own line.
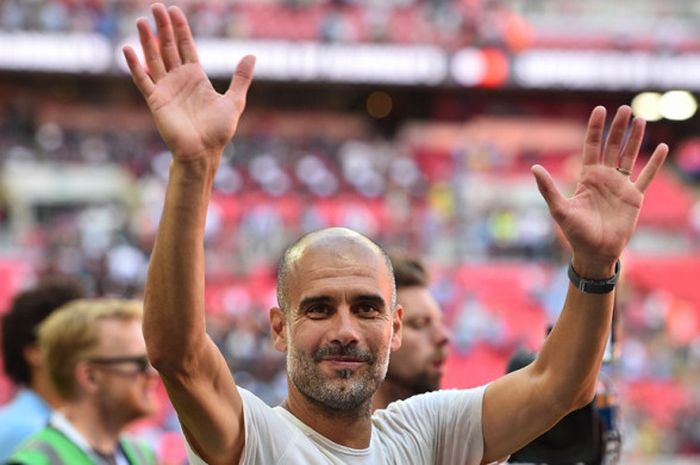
point(422, 65)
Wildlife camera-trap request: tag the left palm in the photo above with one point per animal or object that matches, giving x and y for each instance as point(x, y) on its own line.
point(600, 217)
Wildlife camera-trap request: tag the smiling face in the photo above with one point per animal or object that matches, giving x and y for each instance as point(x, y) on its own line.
point(339, 327)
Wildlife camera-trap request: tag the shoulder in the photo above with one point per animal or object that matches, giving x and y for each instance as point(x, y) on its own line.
point(269, 432)
point(259, 416)
point(25, 407)
point(425, 414)
point(16, 428)
point(444, 426)
point(138, 452)
point(448, 399)
point(38, 449)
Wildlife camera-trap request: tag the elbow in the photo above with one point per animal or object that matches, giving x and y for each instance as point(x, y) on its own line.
point(584, 397)
point(164, 357)
point(158, 359)
point(174, 360)
point(569, 397)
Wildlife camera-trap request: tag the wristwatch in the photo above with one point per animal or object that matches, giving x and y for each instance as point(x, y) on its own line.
point(594, 286)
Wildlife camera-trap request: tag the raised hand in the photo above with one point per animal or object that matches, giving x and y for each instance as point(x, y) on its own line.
point(192, 118)
point(599, 219)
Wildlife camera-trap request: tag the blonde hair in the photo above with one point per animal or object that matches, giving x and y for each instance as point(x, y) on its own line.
point(70, 335)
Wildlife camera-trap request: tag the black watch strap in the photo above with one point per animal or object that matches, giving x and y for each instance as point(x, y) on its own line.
point(594, 286)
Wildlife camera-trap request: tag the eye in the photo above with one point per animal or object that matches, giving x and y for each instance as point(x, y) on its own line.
point(418, 323)
point(318, 311)
point(367, 309)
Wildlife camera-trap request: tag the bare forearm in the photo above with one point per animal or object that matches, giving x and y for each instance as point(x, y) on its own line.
point(571, 357)
point(174, 297)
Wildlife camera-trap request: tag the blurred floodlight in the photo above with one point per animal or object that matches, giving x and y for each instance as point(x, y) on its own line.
point(646, 106)
point(480, 67)
point(677, 105)
point(379, 105)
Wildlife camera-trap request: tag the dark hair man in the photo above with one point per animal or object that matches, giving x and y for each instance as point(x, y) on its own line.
point(337, 318)
point(23, 362)
point(95, 357)
point(416, 367)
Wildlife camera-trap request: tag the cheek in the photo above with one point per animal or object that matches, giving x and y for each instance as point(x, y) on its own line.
point(305, 336)
point(415, 344)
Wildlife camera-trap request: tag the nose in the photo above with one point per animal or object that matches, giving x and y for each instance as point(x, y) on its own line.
point(441, 334)
point(343, 328)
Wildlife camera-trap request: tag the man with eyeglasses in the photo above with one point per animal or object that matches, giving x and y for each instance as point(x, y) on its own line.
point(96, 359)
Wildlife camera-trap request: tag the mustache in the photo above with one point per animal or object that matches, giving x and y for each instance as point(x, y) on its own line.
point(349, 351)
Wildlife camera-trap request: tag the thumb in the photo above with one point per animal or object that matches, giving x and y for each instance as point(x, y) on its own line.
point(545, 184)
point(242, 77)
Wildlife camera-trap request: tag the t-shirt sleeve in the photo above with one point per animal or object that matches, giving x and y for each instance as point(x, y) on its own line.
point(266, 434)
point(444, 424)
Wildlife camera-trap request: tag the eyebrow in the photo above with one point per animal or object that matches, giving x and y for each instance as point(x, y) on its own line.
point(321, 299)
point(325, 299)
point(373, 298)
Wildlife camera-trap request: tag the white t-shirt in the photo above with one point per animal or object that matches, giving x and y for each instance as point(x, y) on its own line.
point(441, 428)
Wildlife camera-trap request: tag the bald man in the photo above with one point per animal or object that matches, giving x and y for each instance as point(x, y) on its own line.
point(337, 318)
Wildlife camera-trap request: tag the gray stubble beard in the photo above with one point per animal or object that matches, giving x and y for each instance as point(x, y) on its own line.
point(305, 374)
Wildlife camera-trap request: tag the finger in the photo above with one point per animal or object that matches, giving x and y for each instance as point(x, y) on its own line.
point(143, 82)
point(634, 142)
point(652, 167)
point(555, 201)
point(166, 37)
point(183, 36)
point(154, 63)
point(594, 136)
point(240, 82)
point(616, 136)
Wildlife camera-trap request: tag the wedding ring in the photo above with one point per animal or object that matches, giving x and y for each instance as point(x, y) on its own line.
point(624, 171)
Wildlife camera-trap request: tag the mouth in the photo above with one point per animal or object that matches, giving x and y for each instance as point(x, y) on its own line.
point(343, 362)
point(439, 363)
point(343, 356)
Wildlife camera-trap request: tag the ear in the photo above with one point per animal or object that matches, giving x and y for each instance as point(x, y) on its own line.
point(32, 354)
point(397, 323)
point(85, 377)
point(278, 323)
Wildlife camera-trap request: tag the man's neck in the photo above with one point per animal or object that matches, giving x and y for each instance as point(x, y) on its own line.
point(101, 433)
point(348, 428)
point(43, 387)
point(389, 392)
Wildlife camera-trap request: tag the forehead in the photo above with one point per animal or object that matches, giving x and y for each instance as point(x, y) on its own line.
point(120, 336)
point(417, 301)
point(339, 269)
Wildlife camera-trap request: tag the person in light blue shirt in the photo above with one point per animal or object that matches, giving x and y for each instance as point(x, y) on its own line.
point(23, 416)
point(29, 410)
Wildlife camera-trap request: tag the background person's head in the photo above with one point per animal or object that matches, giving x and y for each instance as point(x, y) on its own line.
point(95, 354)
point(21, 356)
point(418, 365)
point(336, 319)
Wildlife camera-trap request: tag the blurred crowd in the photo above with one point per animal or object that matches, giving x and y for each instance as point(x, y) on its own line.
point(448, 23)
point(476, 218)
point(451, 24)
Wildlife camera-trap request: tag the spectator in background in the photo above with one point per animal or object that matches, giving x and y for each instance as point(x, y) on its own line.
point(95, 357)
point(29, 410)
point(417, 366)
